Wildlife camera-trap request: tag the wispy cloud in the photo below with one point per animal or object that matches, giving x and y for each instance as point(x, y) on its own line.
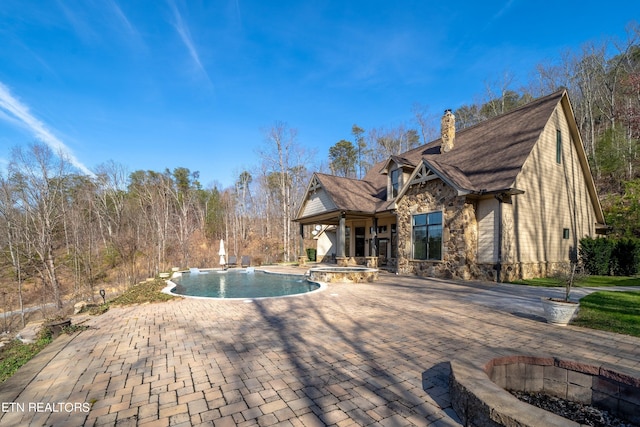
point(121, 16)
point(16, 113)
point(122, 21)
point(84, 30)
point(238, 13)
point(504, 9)
point(185, 34)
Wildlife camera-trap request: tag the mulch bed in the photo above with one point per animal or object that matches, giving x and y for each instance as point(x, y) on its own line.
point(574, 411)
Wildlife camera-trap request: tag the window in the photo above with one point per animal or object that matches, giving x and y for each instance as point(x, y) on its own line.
point(395, 182)
point(565, 233)
point(427, 236)
point(558, 147)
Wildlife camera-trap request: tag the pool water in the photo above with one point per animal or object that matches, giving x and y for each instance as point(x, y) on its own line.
point(240, 284)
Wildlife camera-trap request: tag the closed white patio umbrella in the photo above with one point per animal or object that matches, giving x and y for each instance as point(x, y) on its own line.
point(222, 253)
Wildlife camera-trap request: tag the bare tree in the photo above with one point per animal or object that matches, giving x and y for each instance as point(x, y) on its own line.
point(40, 178)
point(11, 235)
point(284, 162)
point(183, 191)
point(426, 122)
point(152, 192)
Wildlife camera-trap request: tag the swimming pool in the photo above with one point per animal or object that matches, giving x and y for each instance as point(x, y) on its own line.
point(240, 284)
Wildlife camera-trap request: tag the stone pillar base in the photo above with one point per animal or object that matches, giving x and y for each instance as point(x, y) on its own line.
point(342, 261)
point(372, 261)
point(302, 260)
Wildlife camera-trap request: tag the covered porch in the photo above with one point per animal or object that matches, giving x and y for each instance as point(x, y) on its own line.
point(351, 238)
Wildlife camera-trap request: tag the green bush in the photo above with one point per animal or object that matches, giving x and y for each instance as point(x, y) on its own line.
point(605, 257)
point(624, 257)
point(596, 255)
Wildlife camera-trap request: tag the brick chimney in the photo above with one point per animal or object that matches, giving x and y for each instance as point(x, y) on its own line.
point(447, 131)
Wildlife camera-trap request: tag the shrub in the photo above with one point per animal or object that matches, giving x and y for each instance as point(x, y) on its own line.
point(624, 257)
point(596, 255)
point(603, 257)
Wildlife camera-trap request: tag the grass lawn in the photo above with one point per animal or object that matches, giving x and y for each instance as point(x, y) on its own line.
point(613, 311)
point(586, 282)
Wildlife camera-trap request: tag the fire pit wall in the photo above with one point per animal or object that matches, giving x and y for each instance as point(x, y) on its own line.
point(615, 390)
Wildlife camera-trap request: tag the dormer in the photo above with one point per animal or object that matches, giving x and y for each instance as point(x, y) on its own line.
point(397, 170)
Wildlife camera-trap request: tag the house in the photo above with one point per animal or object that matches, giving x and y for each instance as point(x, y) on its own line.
point(507, 198)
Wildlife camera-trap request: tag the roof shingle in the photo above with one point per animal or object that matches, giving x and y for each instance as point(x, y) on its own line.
point(486, 157)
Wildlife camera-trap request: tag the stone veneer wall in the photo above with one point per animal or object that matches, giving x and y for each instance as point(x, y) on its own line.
point(519, 270)
point(459, 232)
point(460, 239)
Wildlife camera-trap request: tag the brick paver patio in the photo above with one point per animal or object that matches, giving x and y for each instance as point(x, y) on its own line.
point(352, 355)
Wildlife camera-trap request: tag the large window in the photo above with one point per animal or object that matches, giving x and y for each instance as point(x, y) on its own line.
point(427, 236)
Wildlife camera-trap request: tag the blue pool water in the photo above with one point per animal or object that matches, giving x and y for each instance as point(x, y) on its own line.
point(240, 284)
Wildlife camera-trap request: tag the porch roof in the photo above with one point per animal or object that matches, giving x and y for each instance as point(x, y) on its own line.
point(356, 198)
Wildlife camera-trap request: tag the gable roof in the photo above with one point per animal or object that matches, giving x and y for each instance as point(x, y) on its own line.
point(486, 158)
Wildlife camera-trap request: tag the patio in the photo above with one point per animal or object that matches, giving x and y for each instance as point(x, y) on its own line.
point(355, 354)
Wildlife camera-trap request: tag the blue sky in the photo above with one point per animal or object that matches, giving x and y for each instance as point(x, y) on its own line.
point(170, 83)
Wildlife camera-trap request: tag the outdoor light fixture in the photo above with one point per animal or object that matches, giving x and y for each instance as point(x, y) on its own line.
point(102, 294)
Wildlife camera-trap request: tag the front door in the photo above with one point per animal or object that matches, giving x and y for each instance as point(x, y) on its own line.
point(360, 241)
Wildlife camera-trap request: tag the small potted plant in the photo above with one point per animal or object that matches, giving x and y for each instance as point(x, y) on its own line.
point(560, 311)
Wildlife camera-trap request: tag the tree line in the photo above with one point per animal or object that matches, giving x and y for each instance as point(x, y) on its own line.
point(63, 235)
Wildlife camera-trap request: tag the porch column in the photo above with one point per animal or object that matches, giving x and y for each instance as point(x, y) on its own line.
point(374, 236)
point(372, 259)
point(341, 259)
point(501, 200)
point(341, 236)
point(302, 257)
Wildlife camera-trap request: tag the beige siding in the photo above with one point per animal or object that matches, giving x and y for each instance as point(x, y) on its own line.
point(317, 203)
point(555, 198)
point(487, 214)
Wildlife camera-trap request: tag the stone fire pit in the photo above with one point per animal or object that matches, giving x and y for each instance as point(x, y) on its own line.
point(479, 396)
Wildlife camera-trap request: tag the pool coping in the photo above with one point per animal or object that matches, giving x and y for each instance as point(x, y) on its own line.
point(171, 285)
